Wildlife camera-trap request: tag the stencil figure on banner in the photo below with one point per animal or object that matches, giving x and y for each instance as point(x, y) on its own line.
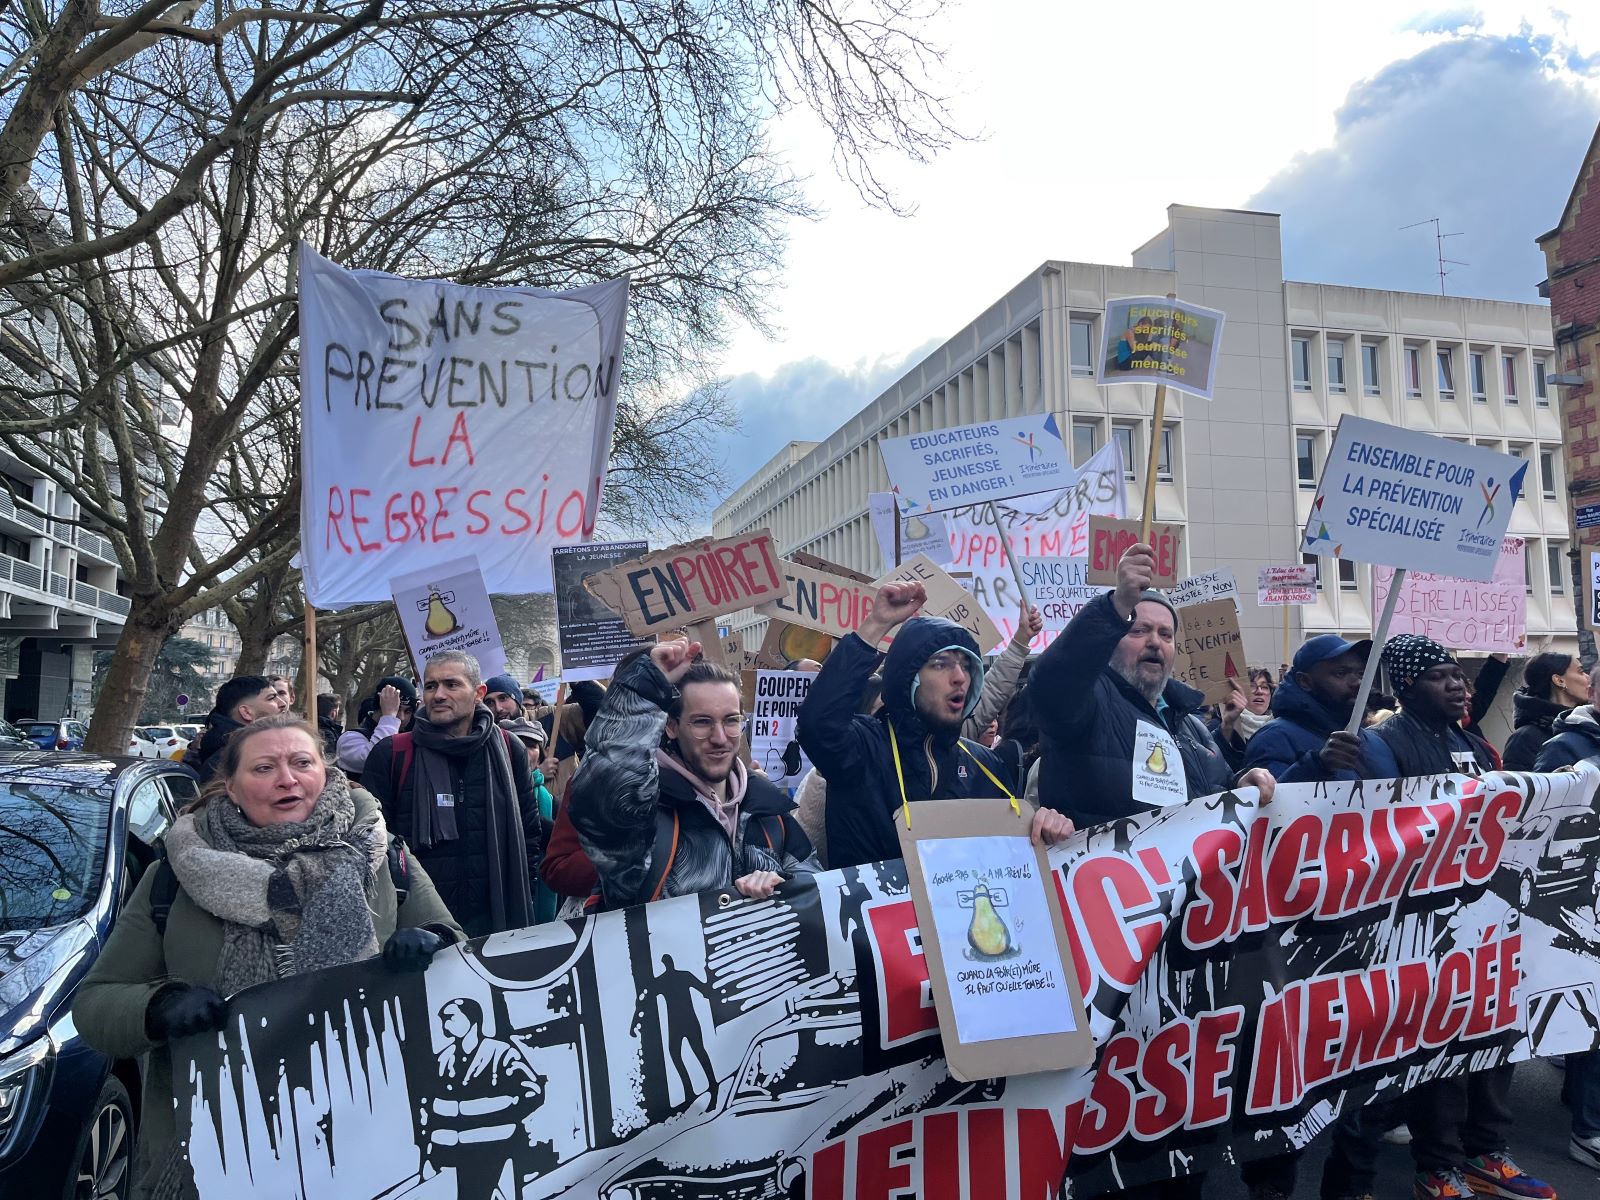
point(211, 921)
point(415, 402)
point(1118, 733)
point(912, 748)
point(458, 788)
point(1306, 739)
point(663, 806)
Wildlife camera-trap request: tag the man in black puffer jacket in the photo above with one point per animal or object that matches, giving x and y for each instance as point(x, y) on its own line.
point(662, 817)
point(931, 681)
point(1108, 674)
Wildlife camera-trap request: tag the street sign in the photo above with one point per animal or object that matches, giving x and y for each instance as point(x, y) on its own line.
point(183, 702)
point(1586, 516)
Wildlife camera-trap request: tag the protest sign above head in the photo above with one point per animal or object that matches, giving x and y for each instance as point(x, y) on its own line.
point(1277, 586)
point(1109, 539)
point(970, 464)
point(785, 643)
point(1058, 589)
point(822, 596)
point(920, 533)
point(774, 708)
point(1220, 584)
point(685, 585)
point(1460, 614)
point(946, 598)
point(593, 638)
point(1211, 649)
point(446, 607)
point(1153, 339)
point(1399, 498)
point(417, 398)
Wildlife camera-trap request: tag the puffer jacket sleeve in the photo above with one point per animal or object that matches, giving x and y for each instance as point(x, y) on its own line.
point(613, 803)
point(799, 857)
point(110, 1004)
point(1276, 748)
point(1566, 749)
point(826, 726)
point(999, 685)
point(1064, 678)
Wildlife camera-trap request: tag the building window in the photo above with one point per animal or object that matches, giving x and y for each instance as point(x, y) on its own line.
point(1347, 575)
point(1371, 380)
point(1447, 374)
point(1541, 393)
point(1165, 456)
point(1082, 346)
point(1128, 444)
point(13, 547)
point(1336, 365)
point(1480, 385)
point(1305, 460)
point(1508, 369)
point(1527, 570)
point(1085, 441)
point(1557, 556)
point(1311, 560)
point(1413, 372)
point(1300, 357)
point(1547, 473)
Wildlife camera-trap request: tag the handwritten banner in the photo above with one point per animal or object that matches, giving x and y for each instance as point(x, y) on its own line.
point(1461, 614)
point(680, 585)
point(1109, 540)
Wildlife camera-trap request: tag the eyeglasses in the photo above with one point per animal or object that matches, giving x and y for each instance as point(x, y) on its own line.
point(700, 728)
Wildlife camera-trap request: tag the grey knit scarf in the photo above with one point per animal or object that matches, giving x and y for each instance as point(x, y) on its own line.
point(292, 897)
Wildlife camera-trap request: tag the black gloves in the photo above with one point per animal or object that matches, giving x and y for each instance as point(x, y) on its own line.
point(181, 1009)
point(411, 949)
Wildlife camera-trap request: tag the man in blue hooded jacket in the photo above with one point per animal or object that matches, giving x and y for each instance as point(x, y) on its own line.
point(1306, 741)
point(910, 749)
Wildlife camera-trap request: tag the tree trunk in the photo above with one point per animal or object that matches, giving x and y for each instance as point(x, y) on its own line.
point(150, 623)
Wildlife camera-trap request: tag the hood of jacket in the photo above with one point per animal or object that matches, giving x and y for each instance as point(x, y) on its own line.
point(1293, 703)
point(920, 639)
point(1531, 710)
point(1582, 719)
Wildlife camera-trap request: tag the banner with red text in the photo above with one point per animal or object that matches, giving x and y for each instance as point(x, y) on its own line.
point(441, 421)
point(1249, 975)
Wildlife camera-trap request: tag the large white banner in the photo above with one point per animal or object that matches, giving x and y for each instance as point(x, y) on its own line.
point(439, 420)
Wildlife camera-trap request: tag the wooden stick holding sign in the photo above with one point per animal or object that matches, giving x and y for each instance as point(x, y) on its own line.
point(308, 669)
point(1011, 557)
point(1153, 460)
point(1379, 636)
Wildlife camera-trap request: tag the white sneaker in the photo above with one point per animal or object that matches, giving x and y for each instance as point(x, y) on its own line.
point(1585, 1150)
point(1400, 1135)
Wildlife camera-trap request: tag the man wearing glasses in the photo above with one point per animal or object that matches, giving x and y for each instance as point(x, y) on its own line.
point(663, 806)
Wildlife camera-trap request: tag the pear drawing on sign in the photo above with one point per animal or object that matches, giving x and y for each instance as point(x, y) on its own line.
point(1157, 762)
point(987, 934)
point(916, 528)
point(440, 619)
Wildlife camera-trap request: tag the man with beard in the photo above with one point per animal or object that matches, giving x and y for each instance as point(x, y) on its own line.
point(1306, 741)
point(1103, 691)
point(458, 789)
point(503, 697)
point(911, 748)
point(663, 806)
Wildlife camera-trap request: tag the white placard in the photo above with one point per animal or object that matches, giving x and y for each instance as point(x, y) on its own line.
point(972, 464)
point(1220, 584)
point(440, 420)
point(1058, 590)
point(924, 534)
point(446, 607)
point(1158, 775)
point(1399, 498)
point(1278, 586)
point(1003, 964)
point(1461, 614)
point(779, 695)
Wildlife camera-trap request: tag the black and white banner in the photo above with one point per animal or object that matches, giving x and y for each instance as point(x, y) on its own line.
point(1250, 974)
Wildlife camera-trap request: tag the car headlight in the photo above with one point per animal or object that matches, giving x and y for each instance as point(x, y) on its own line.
point(24, 1076)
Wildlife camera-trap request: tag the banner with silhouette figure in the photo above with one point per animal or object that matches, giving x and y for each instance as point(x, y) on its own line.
point(1249, 975)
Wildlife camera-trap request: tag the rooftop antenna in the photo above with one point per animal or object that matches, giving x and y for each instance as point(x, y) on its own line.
point(1438, 243)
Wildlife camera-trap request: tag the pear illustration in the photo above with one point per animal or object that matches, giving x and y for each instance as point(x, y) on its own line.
point(440, 619)
point(1157, 761)
point(916, 528)
point(987, 934)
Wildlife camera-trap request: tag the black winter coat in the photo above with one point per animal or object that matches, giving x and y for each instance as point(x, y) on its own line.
point(853, 752)
point(1576, 736)
point(1088, 717)
point(629, 812)
point(458, 868)
point(1535, 721)
point(1419, 750)
point(218, 728)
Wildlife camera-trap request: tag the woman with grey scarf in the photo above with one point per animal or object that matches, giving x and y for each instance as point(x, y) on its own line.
point(281, 869)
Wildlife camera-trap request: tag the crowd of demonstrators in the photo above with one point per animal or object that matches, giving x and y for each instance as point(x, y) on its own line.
point(459, 789)
point(663, 806)
point(383, 714)
point(280, 868)
point(243, 699)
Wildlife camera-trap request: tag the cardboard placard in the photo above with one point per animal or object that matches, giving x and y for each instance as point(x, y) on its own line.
point(969, 464)
point(822, 596)
point(1211, 650)
point(947, 599)
point(1278, 586)
point(1152, 339)
point(446, 607)
point(1000, 967)
point(1398, 498)
point(1109, 537)
point(697, 581)
point(1459, 614)
point(1220, 584)
point(593, 638)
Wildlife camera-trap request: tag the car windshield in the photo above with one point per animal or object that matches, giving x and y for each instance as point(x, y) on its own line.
point(157, 731)
point(52, 853)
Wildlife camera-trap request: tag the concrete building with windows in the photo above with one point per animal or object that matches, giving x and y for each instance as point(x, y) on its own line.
point(1239, 471)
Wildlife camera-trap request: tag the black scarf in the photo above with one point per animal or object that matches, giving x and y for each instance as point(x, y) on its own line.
point(510, 898)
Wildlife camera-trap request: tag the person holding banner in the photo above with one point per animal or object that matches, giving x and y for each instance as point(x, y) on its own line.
point(912, 748)
point(1306, 740)
point(663, 806)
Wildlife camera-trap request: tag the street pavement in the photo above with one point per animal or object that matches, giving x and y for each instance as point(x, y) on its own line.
point(1538, 1142)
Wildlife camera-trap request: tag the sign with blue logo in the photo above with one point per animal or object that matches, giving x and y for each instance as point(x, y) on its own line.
point(972, 464)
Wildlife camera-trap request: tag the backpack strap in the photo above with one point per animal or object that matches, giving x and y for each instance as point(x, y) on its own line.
point(662, 855)
point(400, 765)
point(163, 891)
point(399, 869)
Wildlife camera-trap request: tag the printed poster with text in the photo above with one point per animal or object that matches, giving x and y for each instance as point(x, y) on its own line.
point(969, 464)
point(1151, 339)
point(773, 747)
point(1491, 618)
point(446, 607)
point(593, 638)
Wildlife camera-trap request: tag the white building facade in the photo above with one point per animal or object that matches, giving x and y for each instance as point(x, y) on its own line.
point(1237, 472)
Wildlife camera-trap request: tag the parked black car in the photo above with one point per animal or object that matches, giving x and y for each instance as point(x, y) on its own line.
point(76, 832)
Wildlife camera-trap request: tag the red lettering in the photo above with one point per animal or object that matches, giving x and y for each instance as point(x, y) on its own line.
point(1290, 894)
point(881, 1170)
point(1507, 1011)
point(986, 1152)
point(1449, 874)
point(827, 1173)
point(472, 499)
point(1323, 1028)
point(1451, 1001)
point(1161, 1110)
point(440, 512)
point(1123, 947)
point(1498, 813)
point(458, 437)
point(1411, 828)
point(562, 528)
point(1480, 1020)
point(1275, 1077)
point(1208, 917)
point(1368, 1003)
point(941, 1156)
point(357, 521)
point(1251, 913)
point(1213, 1064)
point(1412, 982)
point(1345, 865)
point(1445, 817)
point(527, 521)
point(419, 514)
point(335, 515)
point(1105, 1116)
point(905, 1000)
point(411, 452)
point(1044, 1150)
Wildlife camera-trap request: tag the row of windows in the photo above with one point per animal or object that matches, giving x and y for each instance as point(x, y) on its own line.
point(1087, 438)
point(1310, 448)
point(1445, 359)
point(1557, 563)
